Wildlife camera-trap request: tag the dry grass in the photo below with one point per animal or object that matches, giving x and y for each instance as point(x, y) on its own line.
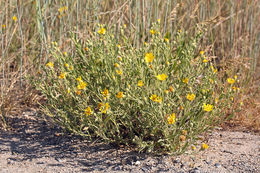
point(248, 119)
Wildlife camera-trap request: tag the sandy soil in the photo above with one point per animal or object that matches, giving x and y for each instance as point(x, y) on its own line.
point(34, 146)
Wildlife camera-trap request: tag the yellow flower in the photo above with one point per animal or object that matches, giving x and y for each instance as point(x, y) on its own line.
point(149, 57)
point(140, 83)
point(211, 81)
point(116, 65)
point(49, 64)
point(82, 85)
point(166, 39)
point(205, 60)
point(171, 118)
point(66, 65)
point(68, 90)
point(62, 75)
point(88, 111)
point(202, 52)
point(190, 97)
point(153, 97)
point(105, 92)
point(86, 48)
point(61, 9)
point(120, 59)
point(120, 95)
point(118, 46)
point(158, 99)
point(181, 107)
point(166, 91)
point(231, 80)
point(152, 31)
point(65, 53)
point(204, 146)
point(161, 76)
point(3, 26)
point(193, 147)
point(102, 31)
point(185, 80)
point(119, 72)
point(145, 43)
point(207, 107)
point(14, 18)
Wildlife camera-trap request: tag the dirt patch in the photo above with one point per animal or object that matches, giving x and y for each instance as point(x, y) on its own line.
point(35, 146)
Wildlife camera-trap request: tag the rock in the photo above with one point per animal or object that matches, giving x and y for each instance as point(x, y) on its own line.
point(145, 169)
point(217, 165)
point(177, 160)
point(195, 170)
point(137, 163)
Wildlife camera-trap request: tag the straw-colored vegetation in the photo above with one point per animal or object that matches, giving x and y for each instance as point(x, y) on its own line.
point(172, 63)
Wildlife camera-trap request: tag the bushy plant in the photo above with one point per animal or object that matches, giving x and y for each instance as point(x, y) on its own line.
point(159, 96)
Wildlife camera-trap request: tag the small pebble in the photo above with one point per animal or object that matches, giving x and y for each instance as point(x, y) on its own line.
point(145, 169)
point(177, 160)
point(137, 163)
point(217, 165)
point(117, 168)
point(195, 170)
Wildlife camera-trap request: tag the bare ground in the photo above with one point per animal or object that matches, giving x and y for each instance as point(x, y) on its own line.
point(34, 146)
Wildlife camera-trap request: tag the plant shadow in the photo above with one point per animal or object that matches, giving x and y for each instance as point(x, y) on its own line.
point(32, 137)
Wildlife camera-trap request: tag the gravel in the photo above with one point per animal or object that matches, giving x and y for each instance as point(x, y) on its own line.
point(34, 146)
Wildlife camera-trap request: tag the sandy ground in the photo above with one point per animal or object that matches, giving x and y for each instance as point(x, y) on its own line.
point(34, 146)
